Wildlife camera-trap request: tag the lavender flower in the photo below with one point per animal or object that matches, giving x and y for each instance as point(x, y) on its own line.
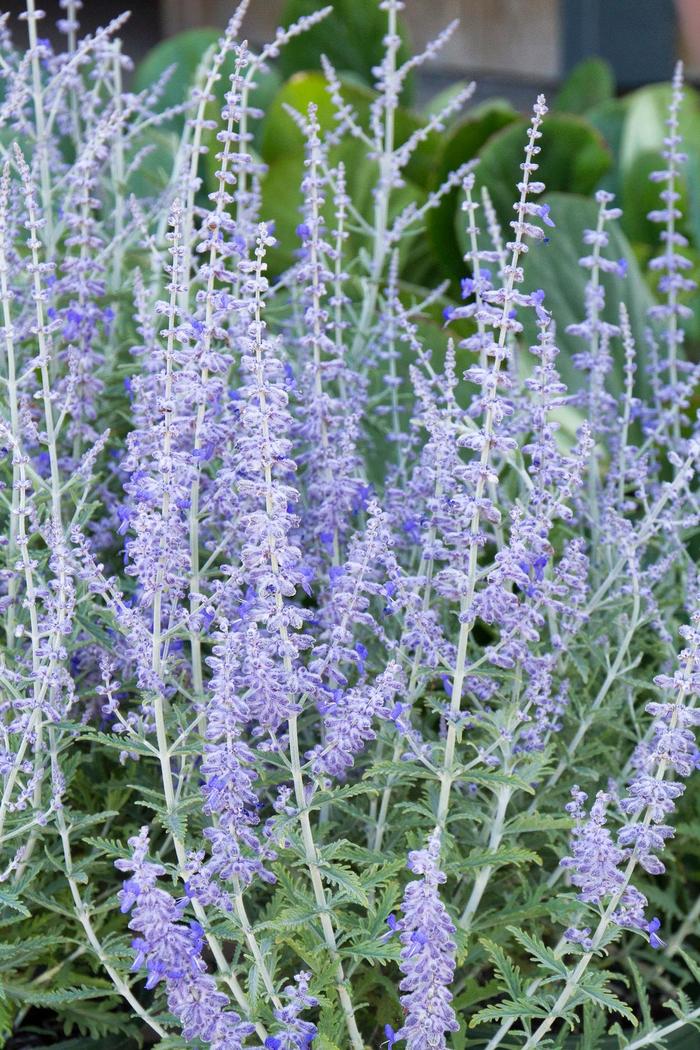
point(597, 862)
point(170, 951)
point(427, 954)
point(294, 1033)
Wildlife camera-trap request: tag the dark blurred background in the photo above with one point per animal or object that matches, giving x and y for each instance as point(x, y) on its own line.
point(510, 45)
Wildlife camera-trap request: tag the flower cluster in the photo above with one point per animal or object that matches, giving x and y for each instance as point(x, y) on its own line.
point(171, 951)
point(427, 954)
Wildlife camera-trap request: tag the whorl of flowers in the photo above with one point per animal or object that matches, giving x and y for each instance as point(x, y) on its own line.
point(170, 950)
point(427, 954)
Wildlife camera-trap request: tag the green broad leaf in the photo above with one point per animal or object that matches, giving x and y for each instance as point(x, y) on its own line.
point(609, 118)
point(554, 268)
point(280, 136)
point(443, 98)
point(154, 173)
point(596, 989)
point(351, 36)
point(538, 951)
point(645, 126)
point(589, 84)
point(494, 858)
point(462, 144)
point(508, 971)
point(640, 148)
point(185, 51)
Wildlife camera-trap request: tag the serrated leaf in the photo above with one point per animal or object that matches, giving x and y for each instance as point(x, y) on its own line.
point(324, 1043)
point(508, 971)
point(538, 950)
point(528, 822)
point(642, 996)
point(15, 954)
point(495, 779)
point(118, 743)
point(109, 847)
point(374, 950)
point(595, 989)
point(494, 858)
point(11, 900)
point(692, 965)
point(59, 997)
point(347, 880)
point(516, 1008)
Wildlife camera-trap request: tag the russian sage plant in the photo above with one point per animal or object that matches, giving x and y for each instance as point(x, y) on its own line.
point(342, 699)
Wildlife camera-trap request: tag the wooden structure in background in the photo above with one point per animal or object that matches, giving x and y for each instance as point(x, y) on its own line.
point(518, 36)
point(519, 39)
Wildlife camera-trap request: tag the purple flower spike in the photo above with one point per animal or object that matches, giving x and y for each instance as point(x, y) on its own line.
point(427, 956)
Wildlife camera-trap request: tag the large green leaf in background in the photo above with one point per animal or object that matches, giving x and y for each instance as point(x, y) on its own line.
point(185, 52)
point(282, 149)
point(589, 84)
point(282, 201)
point(573, 158)
point(641, 142)
point(461, 144)
point(608, 119)
point(351, 36)
point(281, 136)
point(554, 268)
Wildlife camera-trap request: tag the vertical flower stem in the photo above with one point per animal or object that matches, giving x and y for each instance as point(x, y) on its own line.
point(384, 183)
point(11, 378)
point(574, 979)
point(44, 361)
point(164, 755)
point(467, 618)
point(83, 915)
point(40, 117)
point(310, 853)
